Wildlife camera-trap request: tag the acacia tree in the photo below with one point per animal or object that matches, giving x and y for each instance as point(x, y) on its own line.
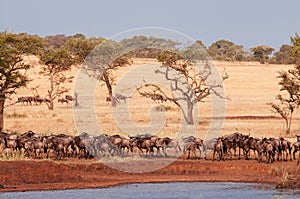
point(153, 46)
point(80, 47)
point(290, 87)
point(103, 61)
point(283, 56)
point(261, 53)
point(227, 51)
point(191, 84)
point(55, 62)
point(12, 69)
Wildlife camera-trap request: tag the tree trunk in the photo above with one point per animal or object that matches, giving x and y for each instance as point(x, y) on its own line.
point(76, 99)
point(288, 130)
point(51, 105)
point(188, 115)
point(2, 114)
point(109, 88)
point(50, 92)
point(286, 125)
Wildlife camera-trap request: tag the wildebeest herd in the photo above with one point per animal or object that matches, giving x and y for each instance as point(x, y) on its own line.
point(85, 145)
point(37, 100)
point(32, 100)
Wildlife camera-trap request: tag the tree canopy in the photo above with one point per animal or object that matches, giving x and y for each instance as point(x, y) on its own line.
point(261, 53)
point(55, 61)
point(289, 81)
point(12, 68)
point(227, 51)
point(154, 46)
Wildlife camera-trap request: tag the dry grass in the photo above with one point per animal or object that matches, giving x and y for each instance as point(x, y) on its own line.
point(249, 88)
point(288, 178)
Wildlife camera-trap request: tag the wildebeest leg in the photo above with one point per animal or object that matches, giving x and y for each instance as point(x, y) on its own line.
point(151, 151)
point(254, 151)
point(294, 154)
point(200, 152)
point(189, 154)
point(290, 152)
point(258, 156)
point(239, 153)
point(204, 152)
point(165, 151)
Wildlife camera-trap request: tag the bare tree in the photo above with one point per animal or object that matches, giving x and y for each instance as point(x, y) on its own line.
point(190, 83)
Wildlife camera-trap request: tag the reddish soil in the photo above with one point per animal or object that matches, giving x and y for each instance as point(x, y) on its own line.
point(77, 174)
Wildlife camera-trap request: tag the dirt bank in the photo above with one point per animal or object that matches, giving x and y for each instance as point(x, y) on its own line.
point(79, 174)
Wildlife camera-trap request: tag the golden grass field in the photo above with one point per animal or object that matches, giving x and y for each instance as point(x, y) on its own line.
point(249, 87)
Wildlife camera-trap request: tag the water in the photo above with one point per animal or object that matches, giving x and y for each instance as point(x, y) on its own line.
point(178, 190)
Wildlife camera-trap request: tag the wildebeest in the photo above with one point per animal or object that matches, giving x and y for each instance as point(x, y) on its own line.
point(209, 145)
point(63, 100)
point(166, 143)
point(145, 143)
point(218, 148)
point(250, 143)
point(296, 147)
point(286, 148)
point(265, 147)
point(34, 148)
point(10, 143)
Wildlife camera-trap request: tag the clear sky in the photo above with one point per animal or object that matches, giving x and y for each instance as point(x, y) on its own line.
point(246, 22)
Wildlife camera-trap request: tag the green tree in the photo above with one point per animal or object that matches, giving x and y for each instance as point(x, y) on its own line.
point(80, 47)
point(283, 56)
point(55, 62)
point(289, 97)
point(225, 50)
point(56, 41)
point(261, 53)
point(295, 51)
point(154, 46)
point(12, 69)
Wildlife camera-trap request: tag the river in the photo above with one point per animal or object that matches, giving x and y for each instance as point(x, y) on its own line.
point(172, 190)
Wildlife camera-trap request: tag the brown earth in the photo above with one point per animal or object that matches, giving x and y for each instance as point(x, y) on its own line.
point(29, 175)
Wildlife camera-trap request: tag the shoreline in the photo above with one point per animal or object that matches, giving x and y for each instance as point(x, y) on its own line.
point(31, 175)
point(41, 187)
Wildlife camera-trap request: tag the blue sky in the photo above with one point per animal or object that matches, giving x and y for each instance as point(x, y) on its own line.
point(246, 22)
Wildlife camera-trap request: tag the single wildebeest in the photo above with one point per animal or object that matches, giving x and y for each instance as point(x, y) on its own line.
point(10, 143)
point(34, 148)
point(229, 143)
point(250, 144)
point(167, 142)
point(143, 143)
point(218, 148)
point(209, 145)
point(192, 147)
point(296, 147)
point(286, 149)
